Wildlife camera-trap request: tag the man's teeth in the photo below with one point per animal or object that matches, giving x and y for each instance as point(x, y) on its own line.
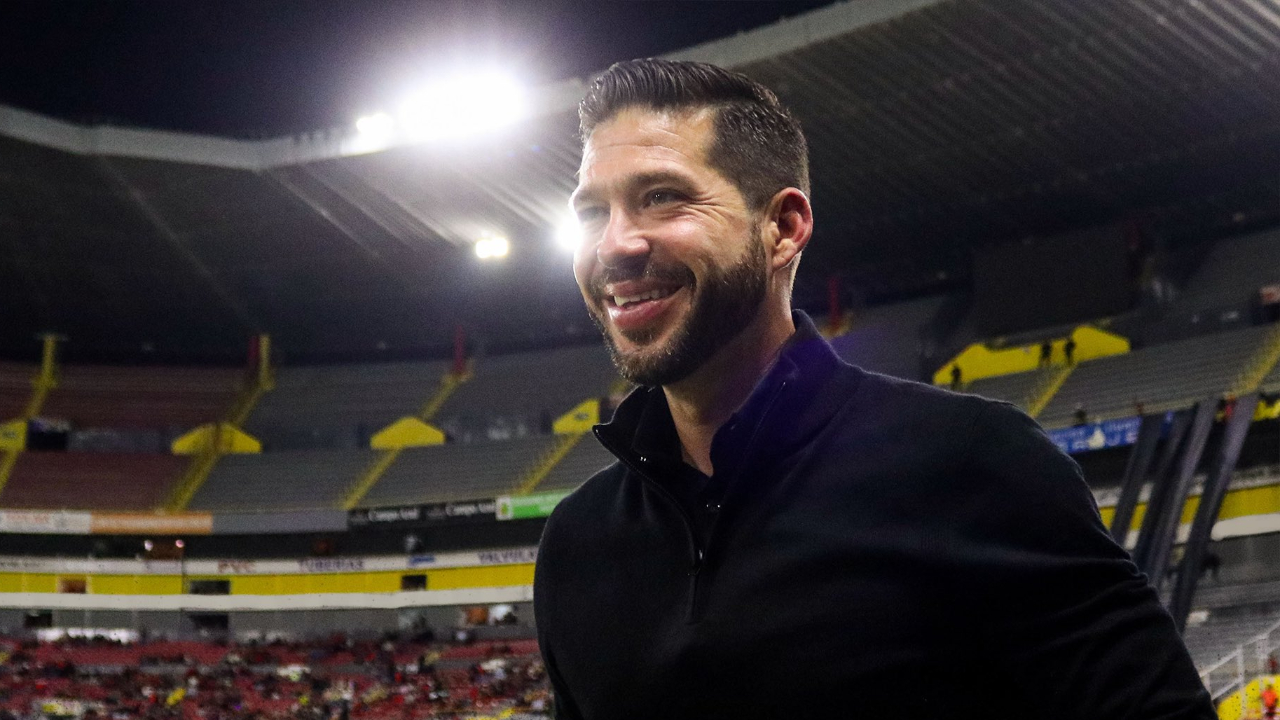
point(624, 300)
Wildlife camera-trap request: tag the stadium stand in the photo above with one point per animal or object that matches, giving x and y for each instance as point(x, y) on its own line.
point(1016, 388)
point(91, 481)
point(340, 406)
point(461, 471)
point(1233, 271)
point(172, 398)
point(582, 462)
point(1160, 377)
point(1223, 633)
point(15, 389)
point(335, 677)
point(518, 395)
point(296, 480)
point(889, 338)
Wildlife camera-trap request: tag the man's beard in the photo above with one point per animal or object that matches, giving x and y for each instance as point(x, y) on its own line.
point(723, 305)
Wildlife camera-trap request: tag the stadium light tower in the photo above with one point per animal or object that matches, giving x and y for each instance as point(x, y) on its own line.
point(461, 106)
point(492, 247)
point(375, 132)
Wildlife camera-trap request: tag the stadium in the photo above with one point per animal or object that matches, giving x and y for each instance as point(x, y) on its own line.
point(282, 418)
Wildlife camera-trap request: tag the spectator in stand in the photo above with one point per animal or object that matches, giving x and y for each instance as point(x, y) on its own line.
point(1081, 417)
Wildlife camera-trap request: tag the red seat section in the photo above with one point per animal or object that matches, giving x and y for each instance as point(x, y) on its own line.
point(15, 389)
point(141, 397)
point(91, 481)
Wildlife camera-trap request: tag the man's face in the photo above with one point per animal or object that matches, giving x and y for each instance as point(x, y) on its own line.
point(671, 263)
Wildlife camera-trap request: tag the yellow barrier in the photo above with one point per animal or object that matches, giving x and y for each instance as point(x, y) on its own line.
point(981, 361)
point(403, 433)
point(580, 419)
point(1243, 502)
point(281, 584)
point(224, 438)
point(406, 432)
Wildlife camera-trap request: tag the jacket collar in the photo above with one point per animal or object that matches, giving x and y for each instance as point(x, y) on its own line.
point(794, 400)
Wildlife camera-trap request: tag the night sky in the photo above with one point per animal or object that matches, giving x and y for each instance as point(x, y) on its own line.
point(265, 68)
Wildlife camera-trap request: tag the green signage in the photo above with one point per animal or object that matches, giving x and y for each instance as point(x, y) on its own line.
point(519, 507)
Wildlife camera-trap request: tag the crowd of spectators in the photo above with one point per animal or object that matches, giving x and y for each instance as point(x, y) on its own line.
point(391, 678)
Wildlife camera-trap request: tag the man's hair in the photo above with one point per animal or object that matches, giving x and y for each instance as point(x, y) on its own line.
point(758, 144)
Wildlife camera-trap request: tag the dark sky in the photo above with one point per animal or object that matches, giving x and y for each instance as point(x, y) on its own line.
point(264, 68)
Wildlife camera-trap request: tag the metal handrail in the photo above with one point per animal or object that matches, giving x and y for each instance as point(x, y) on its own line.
point(1261, 644)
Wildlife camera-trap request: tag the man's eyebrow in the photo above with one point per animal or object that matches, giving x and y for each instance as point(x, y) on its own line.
point(639, 180)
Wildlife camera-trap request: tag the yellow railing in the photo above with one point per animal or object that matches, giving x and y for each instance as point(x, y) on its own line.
point(546, 463)
point(42, 384)
point(1047, 388)
point(376, 469)
point(1259, 365)
point(203, 462)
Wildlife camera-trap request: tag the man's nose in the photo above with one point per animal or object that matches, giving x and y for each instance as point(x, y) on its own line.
point(623, 241)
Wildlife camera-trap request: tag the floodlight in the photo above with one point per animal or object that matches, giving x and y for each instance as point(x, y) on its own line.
point(375, 132)
point(461, 106)
point(490, 248)
point(377, 124)
point(569, 232)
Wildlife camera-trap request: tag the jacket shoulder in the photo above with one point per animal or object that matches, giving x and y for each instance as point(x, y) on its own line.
point(892, 400)
point(589, 500)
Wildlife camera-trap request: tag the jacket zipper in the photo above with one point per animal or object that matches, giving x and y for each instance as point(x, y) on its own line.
point(696, 553)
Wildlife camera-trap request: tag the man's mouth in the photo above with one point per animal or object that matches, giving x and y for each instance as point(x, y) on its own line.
point(623, 301)
point(637, 309)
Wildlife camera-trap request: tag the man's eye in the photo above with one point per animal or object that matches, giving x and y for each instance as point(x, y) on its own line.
point(662, 197)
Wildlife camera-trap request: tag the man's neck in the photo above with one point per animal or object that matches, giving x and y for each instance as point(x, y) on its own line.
point(705, 400)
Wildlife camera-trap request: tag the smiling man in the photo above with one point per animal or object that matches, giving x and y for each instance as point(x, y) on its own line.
point(785, 535)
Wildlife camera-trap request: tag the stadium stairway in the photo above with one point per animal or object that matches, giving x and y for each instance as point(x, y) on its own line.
point(42, 383)
point(1260, 366)
point(1044, 391)
point(571, 428)
point(374, 472)
point(204, 461)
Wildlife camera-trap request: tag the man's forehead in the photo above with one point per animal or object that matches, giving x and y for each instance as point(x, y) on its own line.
point(639, 135)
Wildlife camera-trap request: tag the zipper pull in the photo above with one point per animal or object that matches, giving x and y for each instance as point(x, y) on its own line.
point(697, 564)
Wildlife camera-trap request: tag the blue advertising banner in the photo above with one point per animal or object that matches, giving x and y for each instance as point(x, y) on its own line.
point(1096, 436)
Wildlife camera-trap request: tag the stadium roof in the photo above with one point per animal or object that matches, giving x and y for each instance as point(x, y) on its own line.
point(936, 127)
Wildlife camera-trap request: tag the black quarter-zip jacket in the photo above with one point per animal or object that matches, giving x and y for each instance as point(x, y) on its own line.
point(867, 547)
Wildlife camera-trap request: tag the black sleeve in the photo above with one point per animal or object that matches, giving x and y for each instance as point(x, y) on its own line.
point(543, 598)
point(1063, 615)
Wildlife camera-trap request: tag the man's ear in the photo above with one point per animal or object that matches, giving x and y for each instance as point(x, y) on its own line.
point(788, 226)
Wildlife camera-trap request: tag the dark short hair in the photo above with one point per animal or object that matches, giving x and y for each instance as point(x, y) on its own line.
point(758, 144)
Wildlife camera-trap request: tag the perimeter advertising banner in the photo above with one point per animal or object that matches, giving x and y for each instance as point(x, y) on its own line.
point(520, 507)
point(466, 511)
point(45, 522)
point(1096, 436)
point(300, 566)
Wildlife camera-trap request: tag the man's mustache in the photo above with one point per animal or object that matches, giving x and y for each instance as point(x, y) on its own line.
point(665, 273)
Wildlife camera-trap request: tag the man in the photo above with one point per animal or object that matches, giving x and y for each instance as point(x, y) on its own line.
point(785, 535)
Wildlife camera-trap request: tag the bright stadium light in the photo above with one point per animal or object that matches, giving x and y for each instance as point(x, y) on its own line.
point(492, 248)
point(569, 232)
point(465, 105)
point(375, 132)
